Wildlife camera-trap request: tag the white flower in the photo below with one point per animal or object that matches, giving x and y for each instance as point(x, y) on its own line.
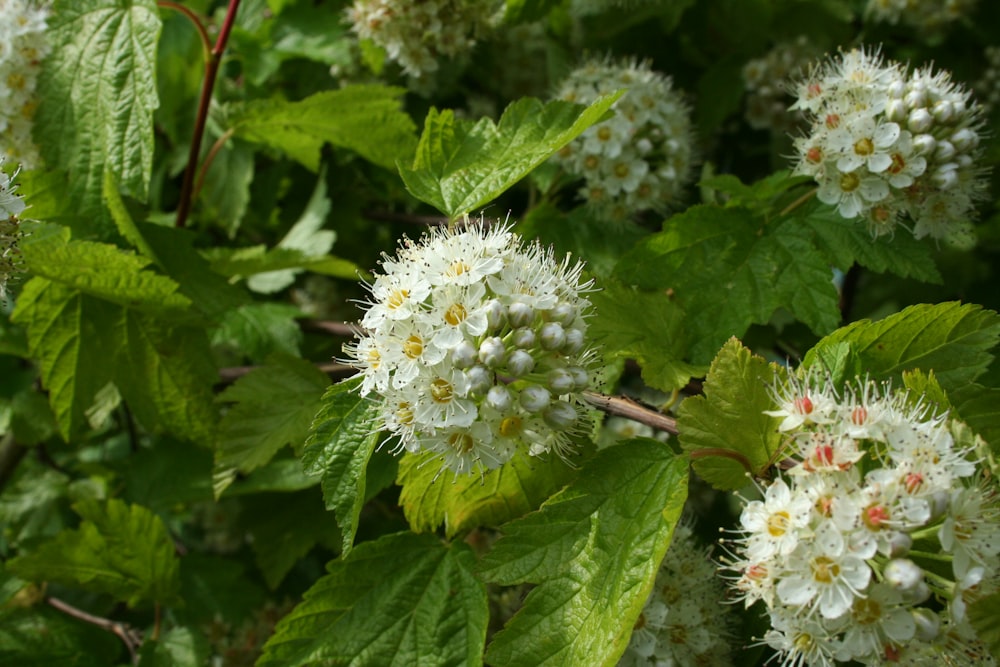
point(774, 525)
point(25, 45)
point(457, 316)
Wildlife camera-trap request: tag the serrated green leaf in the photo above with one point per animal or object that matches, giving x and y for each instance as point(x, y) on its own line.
point(983, 616)
point(729, 418)
point(726, 269)
point(119, 550)
point(845, 242)
point(101, 270)
point(838, 362)
point(82, 343)
point(979, 407)
point(225, 196)
point(594, 548)
point(43, 637)
point(952, 339)
point(924, 388)
point(399, 601)
point(274, 405)
point(366, 119)
point(431, 498)
point(461, 166)
point(178, 647)
point(281, 474)
point(258, 330)
point(285, 527)
point(98, 95)
point(342, 439)
point(306, 235)
point(215, 588)
point(170, 473)
point(647, 327)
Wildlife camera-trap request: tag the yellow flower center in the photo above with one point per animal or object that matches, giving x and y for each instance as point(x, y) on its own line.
point(397, 298)
point(404, 413)
point(510, 426)
point(864, 147)
point(850, 182)
point(824, 569)
point(456, 314)
point(460, 442)
point(413, 347)
point(777, 523)
point(457, 268)
point(442, 391)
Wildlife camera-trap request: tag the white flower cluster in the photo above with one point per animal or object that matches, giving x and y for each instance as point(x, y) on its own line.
point(884, 143)
point(23, 45)
point(418, 35)
point(767, 80)
point(988, 86)
point(11, 206)
point(641, 158)
point(684, 622)
point(477, 345)
point(926, 16)
point(873, 544)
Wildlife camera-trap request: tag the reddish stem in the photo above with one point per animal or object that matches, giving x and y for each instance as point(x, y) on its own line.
point(206, 43)
point(211, 70)
point(724, 453)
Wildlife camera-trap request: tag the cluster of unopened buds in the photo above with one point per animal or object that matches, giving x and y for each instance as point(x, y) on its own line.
point(885, 144)
point(873, 543)
point(476, 344)
point(23, 36)
point(767, 80)
point(684, 621)
point(418, 35)
point(926, 16)
point(641, 158)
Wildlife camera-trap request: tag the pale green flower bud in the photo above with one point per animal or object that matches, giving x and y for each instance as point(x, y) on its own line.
point(534, 398)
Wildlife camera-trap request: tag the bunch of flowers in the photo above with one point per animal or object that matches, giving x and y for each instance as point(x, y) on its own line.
point(11, 206)
point(684, 621)
point(871, 546)
point(476, 344)
point(988, 86)
point(23, 45)
point(418, 35)
point(926, 16)
point(767, 79)
point(641, 158)
point(884, 144)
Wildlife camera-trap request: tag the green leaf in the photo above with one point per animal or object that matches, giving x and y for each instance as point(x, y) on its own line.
point(430, 497)
point(526, 11)
point(979, 407)
point(225, 196)
point(178, 647)
point(285, 528)
point(343, 437)
point(258, 330)
point(951, 339)
point(215, 589)
point(82, 343)
point(728, 271)
point(306, 235)
point(983, 615)
point(845, 242)
point(594, 548)
point(170, 473)
point(98, 94)
point(119, 550)
point(258, 259)
point(730, 417)
point(366, 119)
point(647, 327)
point(43, 637)
point(461, 166)
point(274, 405)
point(101, 270)
point(401, 600)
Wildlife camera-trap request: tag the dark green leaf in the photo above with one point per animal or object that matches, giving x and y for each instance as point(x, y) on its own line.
point(43, 637)
point(725, 430)
point(461, 166)
point(178, 647)
point(119, 550)
point(343, 437)
point(594, 549)
point(258, 330)
point(98, 94)
point(399, 601)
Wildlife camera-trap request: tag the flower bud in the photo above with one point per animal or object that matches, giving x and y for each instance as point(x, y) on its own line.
point(903, 574)
point(581, 379)
point(560, 415)
point(928, 624)
point(523, 338)
point(945, 151)
point(897, 89)
point(574, 341)
point(520, 314)
point(552, 336)
point(520, 363)
point(563, 312)
point(479, 379)
point(560, 381)
point(463, 355)
point(498, 398)
point(496, 315)
point(965, 140)
point(896, 110)
point(492, 352)
point(945, 178)
point(943, 111)
point(534, 398)
point(920, 120)
point(959, 107)
point(924, 144)
point(899, 544)
point(916, 98)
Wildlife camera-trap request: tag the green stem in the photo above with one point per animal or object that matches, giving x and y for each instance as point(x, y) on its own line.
point(210, 158)
point(798, 202)
point(211, 71)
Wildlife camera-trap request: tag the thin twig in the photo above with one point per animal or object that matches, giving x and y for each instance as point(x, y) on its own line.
point(234, 373)
point(206, 43)
point(210, 158)
point(798, 202)
point(129, 635)
point(211, 71)
point(328, 326)
point(626, 407)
